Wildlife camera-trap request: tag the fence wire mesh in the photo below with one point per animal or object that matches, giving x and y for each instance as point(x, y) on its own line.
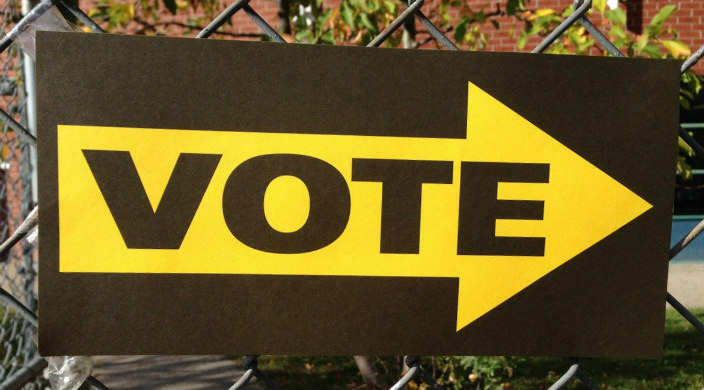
point(18, 266)
point(20, 366)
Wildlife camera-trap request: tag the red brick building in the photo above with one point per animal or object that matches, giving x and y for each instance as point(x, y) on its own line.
point(688, 20)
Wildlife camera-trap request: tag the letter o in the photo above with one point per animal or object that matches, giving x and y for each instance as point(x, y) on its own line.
point(243, 203)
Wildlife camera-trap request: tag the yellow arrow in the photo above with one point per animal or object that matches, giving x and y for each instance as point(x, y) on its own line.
point(582, 205)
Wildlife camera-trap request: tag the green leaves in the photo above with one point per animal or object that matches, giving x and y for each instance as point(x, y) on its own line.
point(391, 7)
point(617, 32)
point(691, 86)
point(522, 40)
point(367, 23)
point(685, 149)
point(460, 30)
point(683, 168)
point(617, 16)
point(347, 13)
point(656, 41)
point(515, 6)
point(642, 41)
point(116, 12)
point(664, 14)
point(171, 6)
point(354, 22)
point(651, 50)
point(677, 49)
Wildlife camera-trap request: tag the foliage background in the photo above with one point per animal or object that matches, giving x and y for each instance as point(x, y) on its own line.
point(682, 368)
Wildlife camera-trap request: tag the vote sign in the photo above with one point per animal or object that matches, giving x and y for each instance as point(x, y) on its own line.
point(295, 206)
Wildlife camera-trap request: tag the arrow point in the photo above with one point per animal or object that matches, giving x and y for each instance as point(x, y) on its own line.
point(464, 313)
point(583, 205)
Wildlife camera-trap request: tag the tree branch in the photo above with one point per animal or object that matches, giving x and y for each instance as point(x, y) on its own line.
point(367, 371)
point(146, 26)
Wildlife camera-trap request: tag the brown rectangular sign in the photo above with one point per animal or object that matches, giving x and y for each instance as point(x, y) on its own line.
point(203, 197)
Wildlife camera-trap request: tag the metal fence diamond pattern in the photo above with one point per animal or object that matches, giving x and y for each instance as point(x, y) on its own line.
point(19, 364)
point(17, 269)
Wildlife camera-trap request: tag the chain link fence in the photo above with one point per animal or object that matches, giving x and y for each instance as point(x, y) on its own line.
point(20, 367)
point(18, 266)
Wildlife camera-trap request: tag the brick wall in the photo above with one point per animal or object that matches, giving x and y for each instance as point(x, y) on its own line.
point(268, 10)
point(688, 20)
point(505, 38)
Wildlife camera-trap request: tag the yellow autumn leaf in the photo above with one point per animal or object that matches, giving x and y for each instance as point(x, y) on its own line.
point(333, 18)
point(288, 38)
point(642, 41)
point(130, 10)
point(676, 48)
point(540, 13)
point(599, 5)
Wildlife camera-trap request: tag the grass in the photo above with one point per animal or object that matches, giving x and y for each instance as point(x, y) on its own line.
point(682, 368)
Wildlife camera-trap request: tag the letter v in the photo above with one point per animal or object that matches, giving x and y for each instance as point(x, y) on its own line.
point(140, 226)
